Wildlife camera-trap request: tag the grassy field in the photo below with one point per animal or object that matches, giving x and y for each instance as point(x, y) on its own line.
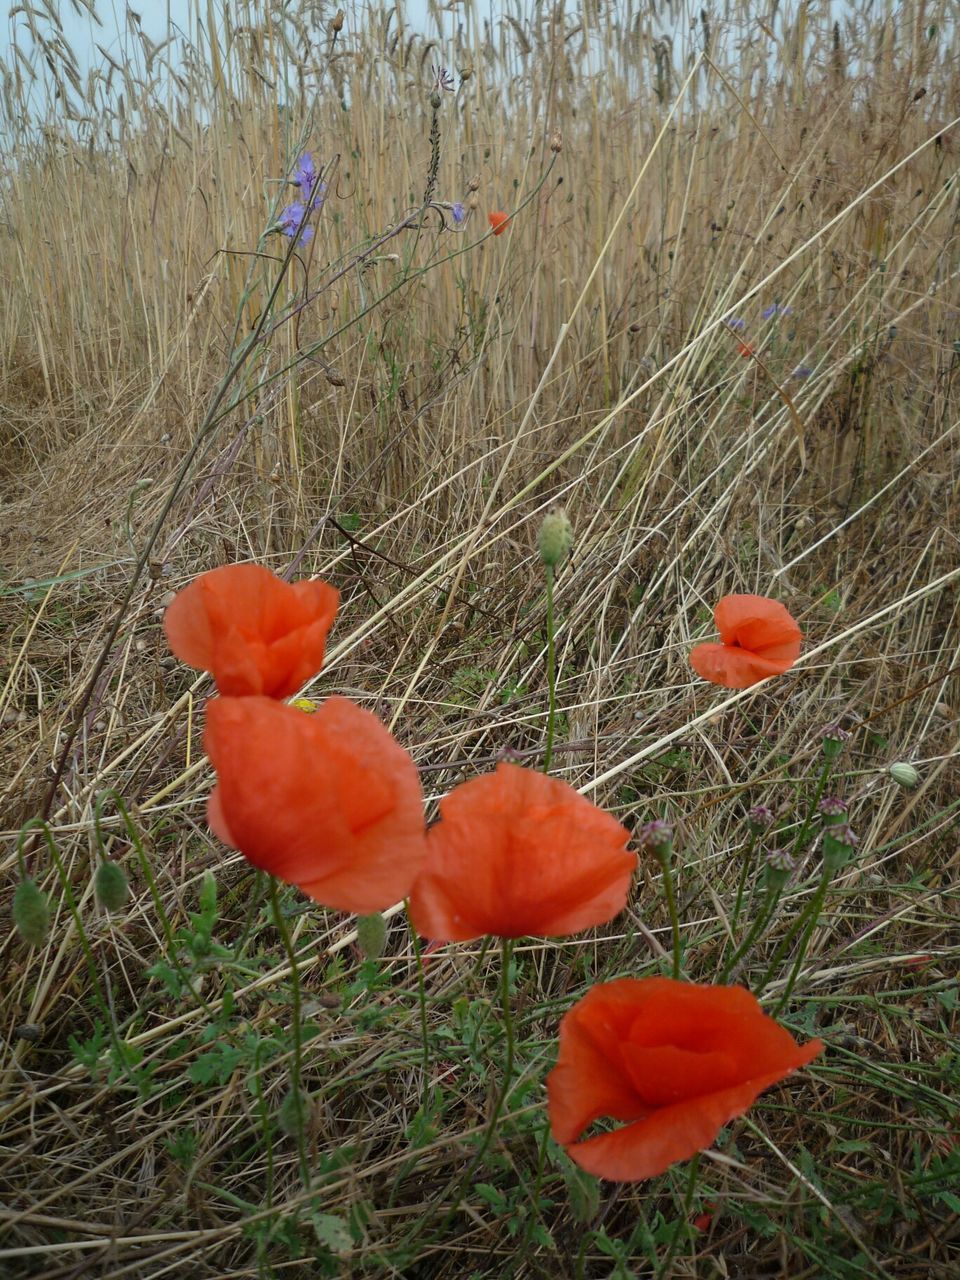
point(722, 331)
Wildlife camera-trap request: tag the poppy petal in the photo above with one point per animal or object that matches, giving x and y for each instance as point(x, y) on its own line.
point(329, 802)
point(649, 1146)
point(674, 1060)
point(760, 639)
point(517, 853)
point(755, 622)
point(253, 632)
point(498, 220)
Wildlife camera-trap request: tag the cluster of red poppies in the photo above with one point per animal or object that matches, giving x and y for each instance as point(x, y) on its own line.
point(331, 803)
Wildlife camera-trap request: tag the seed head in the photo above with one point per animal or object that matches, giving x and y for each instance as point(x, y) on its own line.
point(904, 774)
point(110, 886)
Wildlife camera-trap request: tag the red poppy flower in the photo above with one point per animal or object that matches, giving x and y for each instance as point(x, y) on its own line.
point(759, 637)
point(516, 853)
point(674, 1061)
point(498, 221)
point(329, 802)
point(254, 633)
point(745, 349)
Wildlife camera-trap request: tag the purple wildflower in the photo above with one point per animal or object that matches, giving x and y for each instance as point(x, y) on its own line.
point(656, 836)
point(832, 807)
point(305, 177)
point(775, 309)
point(802, 372)
point(291, 218)
point(459, 213)
point(759, 818)
point(736, 323)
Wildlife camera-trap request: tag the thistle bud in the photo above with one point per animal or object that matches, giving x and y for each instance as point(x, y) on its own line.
point(31, 913)
point(759, 819)
point(904, 774)
point(833, 740)
point(110, 886)
point(474, 183)
point(336, 22)
point(778, 866)
point(657, 836)
point(556, 142)
point(555, 538)
point(372, 935)
point(839, 845)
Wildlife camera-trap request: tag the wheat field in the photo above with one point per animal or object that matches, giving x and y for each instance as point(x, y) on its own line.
point(721, 330)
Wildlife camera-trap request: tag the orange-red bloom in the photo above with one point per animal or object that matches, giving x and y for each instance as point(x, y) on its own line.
point(329, 802)
point(746, 349)
point(516, 853)
point(254, 633)
point(759, 637)
point(498, 221)
point(675, 1062)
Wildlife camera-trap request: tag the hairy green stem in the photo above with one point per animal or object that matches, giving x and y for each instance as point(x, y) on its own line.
point(551, 674)
point(422, 1001)
point(664, 859)
point(296, 1067)
point(807, 921)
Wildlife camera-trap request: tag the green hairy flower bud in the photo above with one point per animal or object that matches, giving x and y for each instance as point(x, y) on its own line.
point(904, 774)
point(110, 886)
point(31, 913)
point(372, 935)
point(555, 538)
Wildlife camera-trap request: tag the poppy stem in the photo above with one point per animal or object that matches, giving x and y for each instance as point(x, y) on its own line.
point(664, 859)
point(422, 1001)
point(663, 1271)
point(744, 872)
point(551, 674)
point(506, 953)
point(296, 1065)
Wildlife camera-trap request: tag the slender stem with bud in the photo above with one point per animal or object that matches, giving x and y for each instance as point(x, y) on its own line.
point(551, 674)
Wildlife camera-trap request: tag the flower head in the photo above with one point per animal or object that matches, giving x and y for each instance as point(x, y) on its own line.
point(832, 807)
point(746, 349)
point(253, 632)
point(736, 323)
point(305, 177)
point(760, 818)
point(657, 836)
point(517, 853)
point(776, 309)
point(459, 213)
point(802, 372)
point(673, 1061)
point(498, 221)
point(759, 639)
point(329, 802)
point(292, 218)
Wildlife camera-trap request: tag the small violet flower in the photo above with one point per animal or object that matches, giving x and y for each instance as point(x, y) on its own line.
point(459, 213)
point(736, 323)
point(291, 218)
point(305, 177)
point(775, 309)
point(802, 372)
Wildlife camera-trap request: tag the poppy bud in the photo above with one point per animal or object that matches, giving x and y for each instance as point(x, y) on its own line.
point(110, 886)
point(31, 913)
point(293, 1112)
point(555, 538)
point(372, 935)
point(904, 774)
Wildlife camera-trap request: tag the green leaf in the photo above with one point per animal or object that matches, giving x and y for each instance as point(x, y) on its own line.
point(332, 1232)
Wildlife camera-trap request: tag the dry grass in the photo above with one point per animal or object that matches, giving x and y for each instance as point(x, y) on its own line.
point(399, 425)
